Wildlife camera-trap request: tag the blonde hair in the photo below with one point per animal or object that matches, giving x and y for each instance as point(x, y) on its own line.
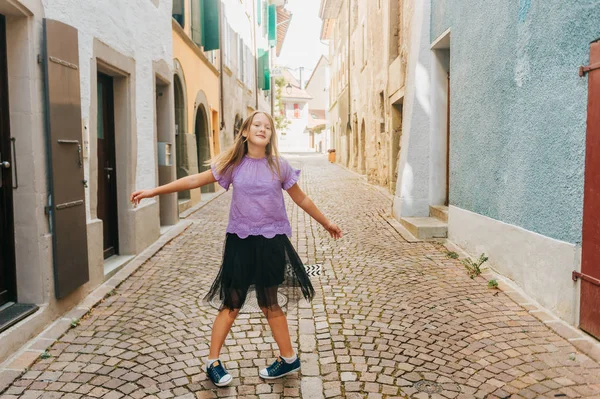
point(226, 162)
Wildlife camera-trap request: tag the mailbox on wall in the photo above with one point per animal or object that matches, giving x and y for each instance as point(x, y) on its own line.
point(164, 154)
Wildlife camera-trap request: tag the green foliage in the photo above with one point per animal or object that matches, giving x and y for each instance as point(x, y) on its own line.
point(493, 284)
point(281, 122)
point(474, 267)
point(452, 254)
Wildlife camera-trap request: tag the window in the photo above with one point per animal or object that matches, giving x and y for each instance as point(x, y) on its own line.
point(179, 12)
point(297, 111)
point(241, 66)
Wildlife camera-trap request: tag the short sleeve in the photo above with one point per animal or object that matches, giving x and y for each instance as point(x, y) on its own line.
point(224, 179)
point(289, 175)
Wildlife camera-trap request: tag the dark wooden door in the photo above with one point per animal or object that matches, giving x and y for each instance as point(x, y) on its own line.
point(590, 261)
point(7, 249)
point(65, 158)
point(107, 168)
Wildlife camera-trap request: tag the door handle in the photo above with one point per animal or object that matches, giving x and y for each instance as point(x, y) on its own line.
point(5, 165)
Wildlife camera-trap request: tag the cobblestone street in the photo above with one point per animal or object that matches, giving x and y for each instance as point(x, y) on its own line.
point(391, 319)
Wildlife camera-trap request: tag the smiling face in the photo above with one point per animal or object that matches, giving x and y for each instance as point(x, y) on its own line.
point(260, 130)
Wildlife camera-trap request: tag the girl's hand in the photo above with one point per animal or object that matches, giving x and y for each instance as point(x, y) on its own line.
point(334, 230)
point(139, 195)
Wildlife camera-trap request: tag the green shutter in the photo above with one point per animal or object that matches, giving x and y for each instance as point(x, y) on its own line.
point(196, 26)
point(210, 24)
point(272, 25)
point(267, 79)
point(259, 12)
point(261, 67)
point(264, 74)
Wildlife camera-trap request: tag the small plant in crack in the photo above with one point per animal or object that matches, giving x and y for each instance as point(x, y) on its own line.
point(74, 323)
point(493, 284)
point(452, 255)
point(474, 267)
point(46, 355)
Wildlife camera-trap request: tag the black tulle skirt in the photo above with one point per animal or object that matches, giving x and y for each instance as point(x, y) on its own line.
point(265, 265)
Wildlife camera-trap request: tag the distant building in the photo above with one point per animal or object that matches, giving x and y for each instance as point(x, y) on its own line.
point(296, 137)
point(317, 87)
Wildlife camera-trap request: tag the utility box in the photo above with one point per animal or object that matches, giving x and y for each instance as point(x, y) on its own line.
point(164, 154)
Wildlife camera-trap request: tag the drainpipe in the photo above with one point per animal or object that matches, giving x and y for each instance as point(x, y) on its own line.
point(222, 106)
point(255, 57)
point(349, 124)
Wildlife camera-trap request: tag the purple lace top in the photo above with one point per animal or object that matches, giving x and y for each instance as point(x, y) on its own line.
point(257, 207)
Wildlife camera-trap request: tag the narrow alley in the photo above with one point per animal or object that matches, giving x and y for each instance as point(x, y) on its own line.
point(391, 319)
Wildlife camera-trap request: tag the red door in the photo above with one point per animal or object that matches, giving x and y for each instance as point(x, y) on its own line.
point(590, 262)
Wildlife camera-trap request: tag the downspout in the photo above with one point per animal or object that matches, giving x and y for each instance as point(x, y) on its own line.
point(255, 58)
point(349, 124)
point(221, 105)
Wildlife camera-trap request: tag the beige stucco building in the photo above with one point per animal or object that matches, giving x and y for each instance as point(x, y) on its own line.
point(196, 90)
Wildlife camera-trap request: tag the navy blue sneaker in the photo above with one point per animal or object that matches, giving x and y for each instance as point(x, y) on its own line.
point(218, 374)
point(279, 368)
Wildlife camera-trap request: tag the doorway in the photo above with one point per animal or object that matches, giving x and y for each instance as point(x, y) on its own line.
point(7, 249)
point(363, 149)
point(107, 168)
point(395, 144)
point(441, 112)
point(180, 131)
point(203, 145)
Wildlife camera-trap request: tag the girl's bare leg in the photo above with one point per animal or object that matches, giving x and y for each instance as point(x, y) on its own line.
point(279, 327)
point(220, 329)
point(222, 326)
point(278, 323)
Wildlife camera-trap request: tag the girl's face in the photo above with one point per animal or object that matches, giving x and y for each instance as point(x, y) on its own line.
point(259, 133)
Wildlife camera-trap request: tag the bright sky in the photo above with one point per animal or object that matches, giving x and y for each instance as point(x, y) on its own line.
point(302, 45)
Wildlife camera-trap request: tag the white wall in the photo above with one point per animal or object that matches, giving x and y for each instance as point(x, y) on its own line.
point(295, 138)
point(137, 29)
point(318, 87)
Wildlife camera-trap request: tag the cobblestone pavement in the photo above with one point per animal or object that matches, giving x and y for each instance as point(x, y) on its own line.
point(391, 319)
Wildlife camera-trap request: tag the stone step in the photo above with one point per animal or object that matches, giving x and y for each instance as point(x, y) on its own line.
point(439, 212)
point(425, 227)
point(184, 204)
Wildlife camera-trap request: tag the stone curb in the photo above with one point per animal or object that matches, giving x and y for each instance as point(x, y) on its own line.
point(16, 365)
point(576, 337)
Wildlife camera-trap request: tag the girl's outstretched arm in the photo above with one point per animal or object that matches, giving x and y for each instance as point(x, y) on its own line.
point(185, 183)
point(308, 206)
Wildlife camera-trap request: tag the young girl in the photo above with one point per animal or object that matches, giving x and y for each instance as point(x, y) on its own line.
point(258, 254)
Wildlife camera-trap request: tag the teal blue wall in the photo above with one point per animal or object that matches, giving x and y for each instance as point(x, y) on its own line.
point(518, 108)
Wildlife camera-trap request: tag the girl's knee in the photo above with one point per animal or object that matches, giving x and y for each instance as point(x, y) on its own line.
point(231, 313)
point(271, 311)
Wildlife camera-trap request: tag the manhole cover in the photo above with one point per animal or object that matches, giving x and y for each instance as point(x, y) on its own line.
point(428, 387)
point(251, 303)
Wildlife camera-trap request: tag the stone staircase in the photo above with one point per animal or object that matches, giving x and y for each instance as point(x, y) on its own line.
point(434, 226)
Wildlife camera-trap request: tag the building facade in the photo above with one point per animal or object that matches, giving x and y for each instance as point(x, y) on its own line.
point(317, 87)
point(86, 113)
point(245, 42)
point(196, 90)
point(294, 106)
point(487, 130)
point(367, 82)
